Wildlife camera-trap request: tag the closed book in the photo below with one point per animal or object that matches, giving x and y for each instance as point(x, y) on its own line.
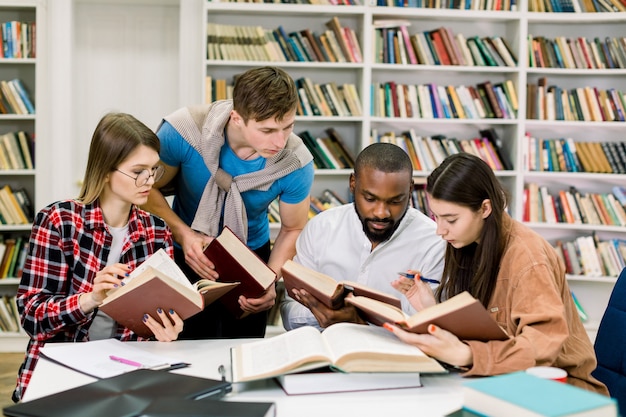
point(327, 381)
point(326, 289)
point(523, 395)
point(235, 262)
point(462, 315)
point(347, 347)
point(159, 283)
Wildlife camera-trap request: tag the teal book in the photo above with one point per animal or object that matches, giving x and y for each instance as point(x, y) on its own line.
point(522, 395)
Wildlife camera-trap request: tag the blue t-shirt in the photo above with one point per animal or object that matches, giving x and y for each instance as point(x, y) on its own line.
point(194, 175)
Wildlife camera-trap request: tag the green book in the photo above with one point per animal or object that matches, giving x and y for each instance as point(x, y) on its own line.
point(522, 394)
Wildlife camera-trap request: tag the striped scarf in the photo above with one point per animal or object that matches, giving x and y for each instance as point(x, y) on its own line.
point(203, 128)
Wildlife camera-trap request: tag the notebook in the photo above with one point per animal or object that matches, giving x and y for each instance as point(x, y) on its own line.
point(125, 395)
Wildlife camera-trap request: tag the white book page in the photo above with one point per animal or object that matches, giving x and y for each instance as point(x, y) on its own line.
point(162, 262)
point(93, 358)
point(268, 355)
point(344, 338)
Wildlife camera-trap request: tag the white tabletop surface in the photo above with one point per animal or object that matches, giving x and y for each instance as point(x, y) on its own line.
point(439, 395)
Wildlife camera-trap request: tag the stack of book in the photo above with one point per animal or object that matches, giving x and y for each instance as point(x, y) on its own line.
point(329, 151)
point(15, 206)
point(15, 98)
point(16, 151)
point(589, 256)
point(327, 99)
point(12, 256)
point(9, 316)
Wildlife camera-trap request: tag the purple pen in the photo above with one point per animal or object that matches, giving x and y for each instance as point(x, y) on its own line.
point(125, 361)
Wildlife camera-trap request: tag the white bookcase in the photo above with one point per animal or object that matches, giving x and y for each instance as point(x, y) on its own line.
point(26, 69)
point(593, 293)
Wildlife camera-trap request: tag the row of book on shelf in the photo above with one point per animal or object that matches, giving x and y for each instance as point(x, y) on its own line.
point(325, 99)
point(427, 152)
point(16, 151)
point(9, 316)
point(493, 5)
point(12, 255)
point(592, 257)
point(567, 155)
point(576, 53)
point(16, 207)
point(431, 101)
point(394, 44)
point(327, 199)
point(589, 104)
point(15, 98)
point(18, 39)
point(255, 43)
point(313, 2)
point(574, 207)
point(577, 6)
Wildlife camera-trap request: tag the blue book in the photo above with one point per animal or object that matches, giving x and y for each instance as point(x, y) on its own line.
point(24, 96)
point(519, 393)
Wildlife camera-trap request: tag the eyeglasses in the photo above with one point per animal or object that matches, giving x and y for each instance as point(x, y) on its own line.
point(144, 176)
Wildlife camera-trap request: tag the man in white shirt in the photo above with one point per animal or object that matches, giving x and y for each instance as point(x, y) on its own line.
point(368, 241)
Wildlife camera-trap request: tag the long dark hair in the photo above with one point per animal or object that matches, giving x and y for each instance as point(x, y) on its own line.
point(467, 180)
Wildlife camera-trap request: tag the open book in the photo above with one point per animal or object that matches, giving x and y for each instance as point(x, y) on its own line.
point(235, 262)
point(159, 283)
point(462, 315)
point(326, 289)
point(348, 347)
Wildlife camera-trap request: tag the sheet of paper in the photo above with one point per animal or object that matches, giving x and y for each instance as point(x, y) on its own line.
point(93, 358)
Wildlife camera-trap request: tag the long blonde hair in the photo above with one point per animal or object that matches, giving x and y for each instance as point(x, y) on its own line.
point(115, 137)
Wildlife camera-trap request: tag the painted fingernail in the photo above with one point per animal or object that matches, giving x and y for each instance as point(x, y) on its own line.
point(431, 328)
point(388, 327)
point(159, 310)
point(126, 275)
point(115, 285)
point(145, 318)
point(122, 283)
point(171, 311)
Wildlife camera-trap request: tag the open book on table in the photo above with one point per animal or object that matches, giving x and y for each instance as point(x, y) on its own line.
point(236, 262)
point(159, 283)
point(326, 289)
point(347, 347)
point(462, 315)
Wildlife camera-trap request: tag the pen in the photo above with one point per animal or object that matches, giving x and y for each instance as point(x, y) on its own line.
point(411, 276)
point(125, 361)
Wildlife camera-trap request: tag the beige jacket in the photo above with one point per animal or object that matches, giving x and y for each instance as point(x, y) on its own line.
point(532, 302)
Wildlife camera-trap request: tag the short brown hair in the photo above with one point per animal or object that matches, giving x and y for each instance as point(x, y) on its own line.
point(263, 93)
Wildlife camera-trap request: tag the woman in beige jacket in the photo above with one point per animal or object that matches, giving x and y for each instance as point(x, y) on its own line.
point(513, 271)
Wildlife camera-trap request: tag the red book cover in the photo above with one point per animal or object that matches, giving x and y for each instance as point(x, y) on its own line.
point(235, 262)
point(440, 48)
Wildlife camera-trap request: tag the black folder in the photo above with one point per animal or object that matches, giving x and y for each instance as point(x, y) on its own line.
point(126, 395)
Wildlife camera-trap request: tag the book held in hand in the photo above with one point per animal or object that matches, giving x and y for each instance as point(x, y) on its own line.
point(347, 347)
point(235, 262)
point(159, 283)
point(462, 315)
point(524, 395)
point(326, 289)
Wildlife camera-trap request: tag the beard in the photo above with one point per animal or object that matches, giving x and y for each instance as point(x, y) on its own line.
point(379, 235)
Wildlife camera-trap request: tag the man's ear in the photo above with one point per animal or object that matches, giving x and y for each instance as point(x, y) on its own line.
point(352, 183)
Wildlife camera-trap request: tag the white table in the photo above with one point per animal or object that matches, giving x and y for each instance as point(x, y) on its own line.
point(440, 394)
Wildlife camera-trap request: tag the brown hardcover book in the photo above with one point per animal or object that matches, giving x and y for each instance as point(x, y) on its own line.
point(345, 150)
point(349, 347)
point(334, 25)
point(159, 283)
point(235, 262)
point(462, 315)
point(326, 289)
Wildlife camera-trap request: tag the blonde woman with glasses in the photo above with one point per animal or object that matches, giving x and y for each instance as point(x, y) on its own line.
point(81, 248)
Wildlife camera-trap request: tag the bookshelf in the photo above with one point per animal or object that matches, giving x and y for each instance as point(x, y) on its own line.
point(25, 69)
point(515, 27)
